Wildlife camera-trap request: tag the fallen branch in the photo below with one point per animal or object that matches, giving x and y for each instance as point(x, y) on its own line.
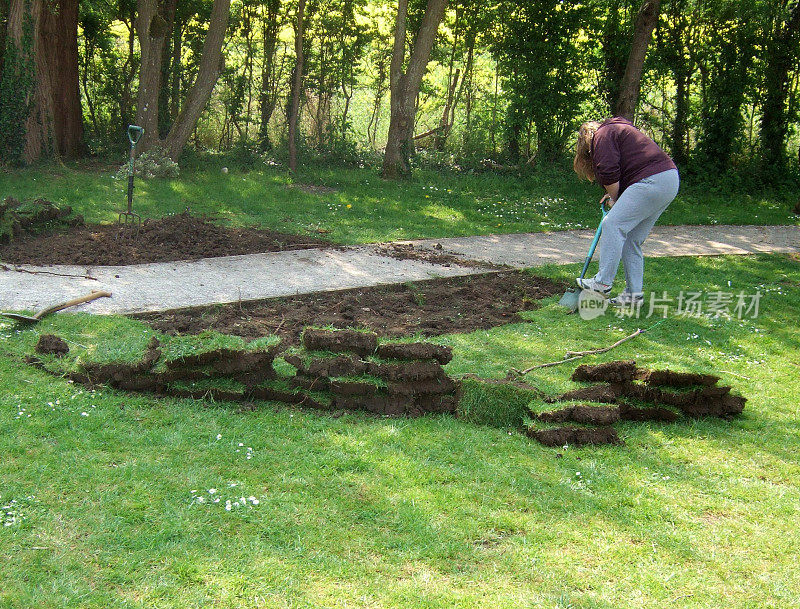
point(571, 356)
point(547, 365)
point(16, 269)
point(604, 349)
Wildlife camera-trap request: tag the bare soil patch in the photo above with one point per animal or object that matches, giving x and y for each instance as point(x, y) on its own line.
point(176, 237)
point(407, 251)
point(431, 308)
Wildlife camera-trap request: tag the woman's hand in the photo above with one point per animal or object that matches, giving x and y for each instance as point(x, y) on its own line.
point(607, 200)
point(612, 193)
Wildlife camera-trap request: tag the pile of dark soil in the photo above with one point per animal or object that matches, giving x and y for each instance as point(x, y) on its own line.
point(624, 385)
point(434, 307)
point(177, 237)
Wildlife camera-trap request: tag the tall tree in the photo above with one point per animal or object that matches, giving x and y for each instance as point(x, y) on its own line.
point(677, 35)
point(268, 97)
point(297, 83)
point(646, 21)
point(151, 27)
point(404, 85)
point(542, 100)
point(725, 61)
point(781, 53)
point(40, 108)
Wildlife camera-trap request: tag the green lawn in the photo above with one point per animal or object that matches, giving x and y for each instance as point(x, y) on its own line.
point(434, 512)
point(364, 208)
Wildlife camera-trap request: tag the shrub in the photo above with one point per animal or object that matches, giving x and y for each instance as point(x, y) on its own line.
point(155, 163)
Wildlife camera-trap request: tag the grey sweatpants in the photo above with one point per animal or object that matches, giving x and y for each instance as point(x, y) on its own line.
point(629, 222)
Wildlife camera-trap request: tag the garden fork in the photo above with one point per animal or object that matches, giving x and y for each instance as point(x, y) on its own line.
point(129, 218)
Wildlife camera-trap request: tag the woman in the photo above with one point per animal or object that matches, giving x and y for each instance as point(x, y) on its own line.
point(640, 181)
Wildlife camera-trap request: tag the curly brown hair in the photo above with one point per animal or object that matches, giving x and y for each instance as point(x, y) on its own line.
point(583, 151)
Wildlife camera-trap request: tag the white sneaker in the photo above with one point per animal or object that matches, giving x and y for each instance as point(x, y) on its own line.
point(593, 286)
point(627, 299)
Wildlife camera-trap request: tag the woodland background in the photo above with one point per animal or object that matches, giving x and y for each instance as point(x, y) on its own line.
point(466, 84)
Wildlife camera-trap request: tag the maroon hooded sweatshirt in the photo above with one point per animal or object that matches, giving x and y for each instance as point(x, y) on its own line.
point(621, 153)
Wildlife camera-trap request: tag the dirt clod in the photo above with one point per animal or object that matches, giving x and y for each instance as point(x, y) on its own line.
point(610, 372)
point(348, 388)
point(584, 414)
point(341, 365)
point(669, 378)
point(412, 371)
point(50, 344)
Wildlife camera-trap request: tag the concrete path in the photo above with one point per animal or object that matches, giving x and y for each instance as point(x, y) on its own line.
point(171, 285)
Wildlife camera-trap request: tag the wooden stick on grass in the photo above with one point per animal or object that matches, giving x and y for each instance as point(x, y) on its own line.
point(570, 356)
point(604, 349)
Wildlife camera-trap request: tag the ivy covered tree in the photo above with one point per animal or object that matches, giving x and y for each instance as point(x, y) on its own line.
point(40, 108)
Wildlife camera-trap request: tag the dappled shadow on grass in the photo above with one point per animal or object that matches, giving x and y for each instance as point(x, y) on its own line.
point(409, 509)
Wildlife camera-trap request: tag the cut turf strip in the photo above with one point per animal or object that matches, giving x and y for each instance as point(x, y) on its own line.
point(348, 370)
point(617, 396)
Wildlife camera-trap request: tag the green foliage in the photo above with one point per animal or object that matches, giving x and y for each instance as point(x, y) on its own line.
point(719, 89)
point(732, 48)
point(544, 96)
point(154, 163)
point(442, 203)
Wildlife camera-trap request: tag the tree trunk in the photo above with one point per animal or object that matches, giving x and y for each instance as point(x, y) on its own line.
point(774, 115)
point(4, 7)
point(59, 43)
point(207, 74)
point(680, 125)
point(297, 84)
point(151, 28)
point(175, 74)
point(267, 98)
point(677, 40)
point(440, 139)
point(167, 51)
point(613, 56)
point(129, 73)
point(405, 85)
point(643, 30)
point(41, 88)
point(380, 91)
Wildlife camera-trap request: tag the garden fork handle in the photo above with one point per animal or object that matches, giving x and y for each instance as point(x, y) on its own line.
point(135, 133)
point(593, 247)
point(72, 303)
